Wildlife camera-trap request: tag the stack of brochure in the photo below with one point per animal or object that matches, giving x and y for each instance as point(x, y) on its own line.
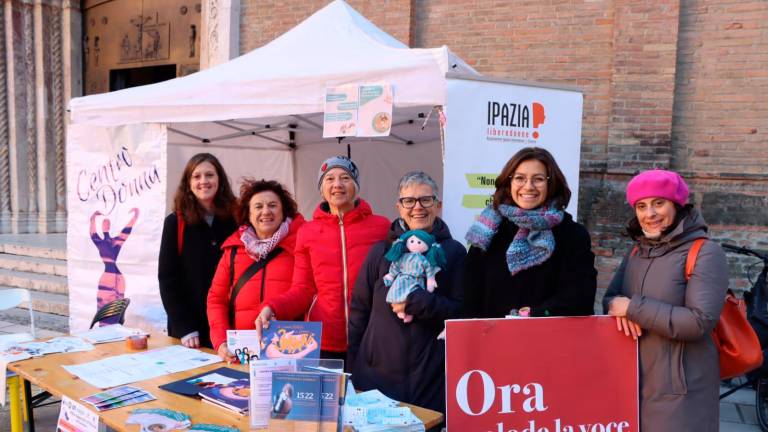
point(117, 397)
point(372, 411)
point(110, 333)
point(233, 396)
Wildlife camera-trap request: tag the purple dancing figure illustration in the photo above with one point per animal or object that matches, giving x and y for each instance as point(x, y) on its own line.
point(111, 282)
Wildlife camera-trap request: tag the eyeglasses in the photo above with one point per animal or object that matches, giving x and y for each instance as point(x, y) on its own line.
point(537, 180)
point(410, 202)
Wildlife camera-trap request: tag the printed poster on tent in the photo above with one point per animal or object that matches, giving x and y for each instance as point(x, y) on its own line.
point(358, 110)
point(116, 201)
point(340, 118)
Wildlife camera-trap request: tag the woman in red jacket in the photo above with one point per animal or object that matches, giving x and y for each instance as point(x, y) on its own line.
point(329, 252)
point(262, 248)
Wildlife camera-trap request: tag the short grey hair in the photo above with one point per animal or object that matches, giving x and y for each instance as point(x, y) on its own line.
point(416, 178)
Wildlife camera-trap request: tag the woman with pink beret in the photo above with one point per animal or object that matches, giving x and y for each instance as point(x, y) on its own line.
point(672, 317)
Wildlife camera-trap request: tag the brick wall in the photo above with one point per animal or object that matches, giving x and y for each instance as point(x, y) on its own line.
point(671, 84)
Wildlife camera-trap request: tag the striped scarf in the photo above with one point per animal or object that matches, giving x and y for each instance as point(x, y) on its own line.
point(533, 243)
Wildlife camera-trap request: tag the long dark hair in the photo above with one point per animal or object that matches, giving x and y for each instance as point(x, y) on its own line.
point(251, 187)
point(634, 231)
point(557, 186)
point(184, 201)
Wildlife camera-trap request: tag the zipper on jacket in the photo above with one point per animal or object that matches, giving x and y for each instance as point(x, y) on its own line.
point(344, 267)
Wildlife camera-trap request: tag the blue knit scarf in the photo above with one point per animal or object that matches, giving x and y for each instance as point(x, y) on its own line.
point(533, 243)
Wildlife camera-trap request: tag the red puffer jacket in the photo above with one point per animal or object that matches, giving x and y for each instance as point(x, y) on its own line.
point(318, 274)
point(279, 273)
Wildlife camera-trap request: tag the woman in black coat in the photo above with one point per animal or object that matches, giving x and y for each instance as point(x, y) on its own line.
point(405, 361)
point(527, 254)
point(204, 205)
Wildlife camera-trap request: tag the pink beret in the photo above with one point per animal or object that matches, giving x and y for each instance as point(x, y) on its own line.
point(657, 184)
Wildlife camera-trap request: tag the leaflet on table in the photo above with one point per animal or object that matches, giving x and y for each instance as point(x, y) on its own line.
point(118, 397)
point(159, 419)
point(202, 427)
point(292, 339)
point(52, 346)
point(74, 417)
point(373, 411)
point(233, 396)
point(110, 333)
point(261, 382)
point(128, 368)
point(191, 386)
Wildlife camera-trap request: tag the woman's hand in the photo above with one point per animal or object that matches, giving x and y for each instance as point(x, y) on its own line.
point(191, 340)
point(262, 321)
point(223, 352)
point(398, 308)
point(618, 308)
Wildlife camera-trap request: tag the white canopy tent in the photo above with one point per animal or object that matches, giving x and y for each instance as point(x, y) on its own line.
point(267, 105)
point(262, 115)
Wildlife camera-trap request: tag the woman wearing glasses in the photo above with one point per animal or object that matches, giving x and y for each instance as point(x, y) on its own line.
point(527, 255)
point(406, 360)
point(329, 252)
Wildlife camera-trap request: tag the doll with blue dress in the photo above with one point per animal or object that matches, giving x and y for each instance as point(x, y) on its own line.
point(416, 258)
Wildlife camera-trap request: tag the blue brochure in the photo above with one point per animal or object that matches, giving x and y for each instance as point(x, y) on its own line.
point(291, 339)
point(296, 396)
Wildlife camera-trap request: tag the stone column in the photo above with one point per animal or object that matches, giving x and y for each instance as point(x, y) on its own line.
point(72, 86)
point(5, 121)
point(220, 39)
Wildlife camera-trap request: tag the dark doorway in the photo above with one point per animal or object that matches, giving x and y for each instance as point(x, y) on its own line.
point(124, 78)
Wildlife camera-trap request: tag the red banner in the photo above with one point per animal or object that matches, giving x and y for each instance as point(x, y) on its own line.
point(541, 375)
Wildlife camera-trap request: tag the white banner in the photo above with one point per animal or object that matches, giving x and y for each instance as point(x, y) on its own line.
point(487, 123)
point(116, 201)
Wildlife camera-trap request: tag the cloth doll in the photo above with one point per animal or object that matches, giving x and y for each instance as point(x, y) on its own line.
point(416, 258)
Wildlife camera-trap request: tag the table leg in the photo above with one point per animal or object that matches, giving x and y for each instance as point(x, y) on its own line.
point(28, 406)
point(13, 394)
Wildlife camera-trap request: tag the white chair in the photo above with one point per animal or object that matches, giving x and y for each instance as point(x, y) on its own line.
point(11, 298)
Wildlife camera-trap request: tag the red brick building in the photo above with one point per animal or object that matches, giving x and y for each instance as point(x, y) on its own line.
point(668, 84)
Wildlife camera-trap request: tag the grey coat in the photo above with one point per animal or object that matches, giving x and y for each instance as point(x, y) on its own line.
point(679, 369)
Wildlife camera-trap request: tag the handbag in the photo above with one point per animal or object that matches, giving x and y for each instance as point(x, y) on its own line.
point(736, 341)
point(737, 344)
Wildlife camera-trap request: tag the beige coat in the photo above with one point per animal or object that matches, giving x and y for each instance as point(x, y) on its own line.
point(679, 370)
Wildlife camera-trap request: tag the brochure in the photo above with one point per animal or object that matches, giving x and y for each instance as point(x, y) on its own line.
point(244, 344)
point(233, 396)
point(74, 417)
point(193, 385)
point(375, 112)
point(118, 397)
point(109, 333)
point(296, 396)
point(261, 388)
point(159, 419)
point(292, 339)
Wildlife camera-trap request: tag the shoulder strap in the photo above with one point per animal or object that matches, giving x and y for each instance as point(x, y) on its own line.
point(693, 253)
point(245, 277)
point(180, 231)
point(635, 249)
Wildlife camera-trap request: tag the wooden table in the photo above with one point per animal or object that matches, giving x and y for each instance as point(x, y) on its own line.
point(46, 372)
